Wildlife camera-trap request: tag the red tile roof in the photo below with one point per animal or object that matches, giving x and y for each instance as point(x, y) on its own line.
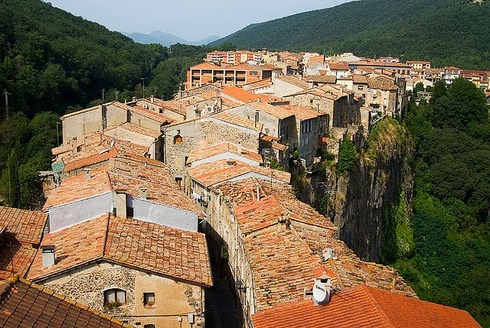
point(233, 119)
point(24, 304)
point(285, 257)
point(150, 247)
point(364, 306)
point(245, 96)
point(276, 111)
point(210, 174)
point(127, 173)
point(207, 151)
point(15, 258)
point(23, 225)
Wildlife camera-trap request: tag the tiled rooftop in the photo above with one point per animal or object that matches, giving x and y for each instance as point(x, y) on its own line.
point(15, 258)
point(285, 256)
point(247, 96)
point(138, 129)
point(89, 184)
point(302, 113)
point(321, 78)
point(364, 306)
point(23, 225)
point(276, 111)
point(207, 151)
point(294, 81)
point(383, 83)
point(24, 304)
point(151, 247)
point(210, 174)
point(157, 117)
point(338, 65)
point(126, 173)
point(237, 120)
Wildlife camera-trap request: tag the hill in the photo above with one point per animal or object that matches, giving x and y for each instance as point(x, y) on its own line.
point(447, 32)
point(167, 39)
point(50, 59)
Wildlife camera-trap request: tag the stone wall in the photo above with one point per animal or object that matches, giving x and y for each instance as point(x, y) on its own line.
point(173, 299)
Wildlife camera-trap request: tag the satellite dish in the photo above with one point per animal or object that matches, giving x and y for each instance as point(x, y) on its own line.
point(321, 290)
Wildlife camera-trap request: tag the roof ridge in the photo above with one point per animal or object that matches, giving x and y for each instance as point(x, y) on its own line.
point(378, 306)
point(106, 235)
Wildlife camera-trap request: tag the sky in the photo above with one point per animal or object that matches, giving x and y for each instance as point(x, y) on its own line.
point(191, 20)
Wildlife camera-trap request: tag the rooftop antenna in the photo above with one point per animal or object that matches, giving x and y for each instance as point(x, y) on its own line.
point(6, 94)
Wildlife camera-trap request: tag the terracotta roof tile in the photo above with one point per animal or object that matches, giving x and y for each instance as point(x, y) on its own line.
point(127, 173)
point(23, 304)
point(302, 113)
point(141, 245)
point(245, 96)
point(321, 78)
point(363, 306)
point(338, 65)
point(15, 258)
point(276, 111)
point(79, 187)
point(383, 83)
point(208, 151)
point(294, 81)
point(23, 225)
point(137, 129)
point(157, 117)
point(210, 174)
point(237, 120)
point(285, 257)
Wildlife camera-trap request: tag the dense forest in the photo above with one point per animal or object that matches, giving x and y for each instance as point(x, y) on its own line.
point(51, 63)
point(446, 32)
point(450, 259)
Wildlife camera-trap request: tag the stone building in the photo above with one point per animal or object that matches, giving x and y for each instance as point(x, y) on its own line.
point(140, 272)
point(275, 246)
point(122, 121)
point(182, 137)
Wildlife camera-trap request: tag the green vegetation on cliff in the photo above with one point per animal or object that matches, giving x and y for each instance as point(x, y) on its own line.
point(447, 32)
point(451, 207)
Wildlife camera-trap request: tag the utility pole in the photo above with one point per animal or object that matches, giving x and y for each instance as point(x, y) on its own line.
point(117, 95)
point(6, 94)
point(143, 79)
point(103, 95)
point(57, 133)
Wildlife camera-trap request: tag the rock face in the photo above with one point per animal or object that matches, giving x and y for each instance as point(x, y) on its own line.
point(379, 181)
point(362, 201)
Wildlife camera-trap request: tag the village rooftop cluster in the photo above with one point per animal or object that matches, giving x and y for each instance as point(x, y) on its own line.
point(136, 187)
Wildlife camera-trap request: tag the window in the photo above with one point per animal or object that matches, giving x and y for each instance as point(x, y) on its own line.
point(114, 297)
point(129, 212)
point(148, 299)
point(178, 139)
point(150, 325)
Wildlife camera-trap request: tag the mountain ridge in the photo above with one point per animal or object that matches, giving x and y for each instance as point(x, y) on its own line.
point(447, 32)
point(166, 39)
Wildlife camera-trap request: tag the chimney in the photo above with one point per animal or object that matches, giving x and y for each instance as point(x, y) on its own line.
point(88, 174)
point(144, 193)
point(134, 172)
point(47, 255)
point(283, 223)
point(328, 253)
point(152, 98)
point(310, 84)
point(256, 118)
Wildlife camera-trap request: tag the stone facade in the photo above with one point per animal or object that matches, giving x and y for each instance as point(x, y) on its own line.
point(173, 299)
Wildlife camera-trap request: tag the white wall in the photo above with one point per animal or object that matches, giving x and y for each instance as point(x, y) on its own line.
point(66, 215)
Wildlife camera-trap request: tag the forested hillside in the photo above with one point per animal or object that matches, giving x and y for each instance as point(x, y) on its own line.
point(52, 62)
point(450, 263)
point(446, 32)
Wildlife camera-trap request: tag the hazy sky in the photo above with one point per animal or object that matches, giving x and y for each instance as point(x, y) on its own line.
point(188, 19)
